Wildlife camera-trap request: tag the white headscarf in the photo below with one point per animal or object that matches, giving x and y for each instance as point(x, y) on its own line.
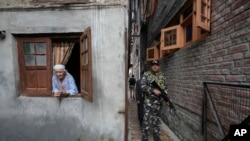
point(59, 67)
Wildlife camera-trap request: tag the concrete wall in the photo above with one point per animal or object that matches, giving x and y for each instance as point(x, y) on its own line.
point(71, 119)
point(11, 3)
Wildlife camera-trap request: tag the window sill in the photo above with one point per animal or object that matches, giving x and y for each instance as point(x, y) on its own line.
point(50, 95)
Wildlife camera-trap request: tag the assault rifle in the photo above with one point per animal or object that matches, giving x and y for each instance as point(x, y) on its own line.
point(165, 97)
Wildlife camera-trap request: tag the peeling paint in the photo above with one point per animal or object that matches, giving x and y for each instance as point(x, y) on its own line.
point(67, 119)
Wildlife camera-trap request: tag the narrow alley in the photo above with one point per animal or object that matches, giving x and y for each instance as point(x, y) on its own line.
point(134, 129)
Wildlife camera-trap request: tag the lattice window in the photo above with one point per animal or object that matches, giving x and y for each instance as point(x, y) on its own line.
point(203, 14)
point(152, 53)
point(86, 64)
point(171, 38)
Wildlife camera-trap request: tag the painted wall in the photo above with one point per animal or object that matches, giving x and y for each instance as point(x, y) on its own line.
point(73, 119)
point(11, 3)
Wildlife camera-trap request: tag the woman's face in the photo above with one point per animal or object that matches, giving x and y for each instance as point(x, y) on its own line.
point(60, 74)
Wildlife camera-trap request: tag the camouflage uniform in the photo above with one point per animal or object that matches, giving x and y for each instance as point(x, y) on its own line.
point(152, 105)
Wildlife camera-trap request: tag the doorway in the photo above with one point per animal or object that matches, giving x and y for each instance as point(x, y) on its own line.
point(73, 65)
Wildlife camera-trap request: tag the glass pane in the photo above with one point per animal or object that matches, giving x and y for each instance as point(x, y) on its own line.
point(41, 60)
point(202, 31)
point(85, 58)
point(203, 19)
point(189, 33)
point(170, 37)
point(82, 45)
point(203, 8)
point(30, 60)
point(41, 48)
point(151, 53)
point(28, 48)
point(86, 44)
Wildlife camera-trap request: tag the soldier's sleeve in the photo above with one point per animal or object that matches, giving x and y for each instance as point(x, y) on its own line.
point(145, 86)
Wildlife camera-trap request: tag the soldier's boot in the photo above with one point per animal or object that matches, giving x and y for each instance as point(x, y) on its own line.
point(156, 137)
point(144, 138)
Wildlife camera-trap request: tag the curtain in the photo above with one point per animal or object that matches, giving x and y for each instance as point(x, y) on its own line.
point(149, 7)
point(62, 51)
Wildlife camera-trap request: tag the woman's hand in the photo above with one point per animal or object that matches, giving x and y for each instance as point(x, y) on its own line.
point(58, 94)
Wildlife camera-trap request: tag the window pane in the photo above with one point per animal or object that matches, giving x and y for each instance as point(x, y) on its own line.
point(41, 48)
point(202, 31)
point(28, 48)
point(203, 12)
point(82, 45)
point(203, 8)
point(86, 44)
point(41, 60)
point(189, 33)
point(30, 60)
point(85, 58)
point(170, 37)
point(151, 53)
point(203, 19)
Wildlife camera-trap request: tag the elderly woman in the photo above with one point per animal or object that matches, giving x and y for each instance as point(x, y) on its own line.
point(62, 82)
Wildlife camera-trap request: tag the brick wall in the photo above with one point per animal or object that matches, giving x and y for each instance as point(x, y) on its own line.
point(222, 57)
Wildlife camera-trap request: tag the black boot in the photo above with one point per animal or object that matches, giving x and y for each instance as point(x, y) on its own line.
point(144, 139)
point(156, 137)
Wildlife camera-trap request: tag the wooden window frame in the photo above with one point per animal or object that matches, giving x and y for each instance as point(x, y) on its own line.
point(86, 65)
point(203, 15)
point(48, 38)
point(195, 18)
point(184, 24)
point(200, 30)
point(24, 70)
point(179, 42)
point(156, 52)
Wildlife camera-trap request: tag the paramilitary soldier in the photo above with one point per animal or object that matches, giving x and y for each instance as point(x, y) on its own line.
point(153, 101)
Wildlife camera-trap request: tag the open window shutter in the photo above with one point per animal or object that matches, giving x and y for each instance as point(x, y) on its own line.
point(35, 66)
point(171, 38)
point(149, 7)
point(86, 64)
point(203, 10)
point(152, 53)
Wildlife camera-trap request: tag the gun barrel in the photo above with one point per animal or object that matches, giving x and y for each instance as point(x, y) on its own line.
point(165, 97)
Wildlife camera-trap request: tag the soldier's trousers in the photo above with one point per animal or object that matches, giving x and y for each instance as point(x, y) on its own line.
point(151, 120)
point(140, 111)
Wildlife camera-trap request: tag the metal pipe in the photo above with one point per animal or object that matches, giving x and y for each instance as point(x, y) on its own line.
point(214, 111)
point(204, 114)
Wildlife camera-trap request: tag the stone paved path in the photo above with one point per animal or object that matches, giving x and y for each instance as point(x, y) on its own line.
point(133, 124)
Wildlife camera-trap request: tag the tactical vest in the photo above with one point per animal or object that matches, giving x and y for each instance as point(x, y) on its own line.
point(158, 78)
